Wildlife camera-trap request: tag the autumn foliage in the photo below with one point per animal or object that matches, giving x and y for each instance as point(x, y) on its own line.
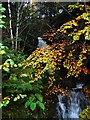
point(67, 56)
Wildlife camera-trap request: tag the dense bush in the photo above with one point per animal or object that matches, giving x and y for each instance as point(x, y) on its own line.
point(16, 81)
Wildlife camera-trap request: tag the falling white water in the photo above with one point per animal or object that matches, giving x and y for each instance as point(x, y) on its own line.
point(69, 107)
point(41, 43)
point(74, 108)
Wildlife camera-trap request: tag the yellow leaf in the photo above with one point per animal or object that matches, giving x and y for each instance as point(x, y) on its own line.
point(15, 65)
point(6, 64)
point(0, 66)
point(2, 52)
point(76, 37)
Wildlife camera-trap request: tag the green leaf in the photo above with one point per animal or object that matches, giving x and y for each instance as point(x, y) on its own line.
point(7, 102)
point(27, 103)
point(15, 99)
point(30, 101)
point(2, 9)
point(39, 97)
point(23, 96)
point(28, 86)
point(31, 70)
point(1, 105)
point(41, 105)
point(2, 16)
point(19, 64)
point(33, 106)
point(87, 37)
point(32, 98)
point(6, 69)
point(2, 52)
point(4, 104)
point(2, 22)
point(23, 75)
point(1, 26)
point(12, 63)
point(84, 117)
point(14, 78)
point(88, 117)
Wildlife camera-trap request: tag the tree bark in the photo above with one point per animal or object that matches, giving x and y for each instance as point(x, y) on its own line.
point(10, 24)
point(17, 27)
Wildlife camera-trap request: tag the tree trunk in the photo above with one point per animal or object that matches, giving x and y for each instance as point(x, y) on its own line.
point(17, 27)
point(10, 23)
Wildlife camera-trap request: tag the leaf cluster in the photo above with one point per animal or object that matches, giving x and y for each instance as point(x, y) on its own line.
point(2, 9)
point(67, 56)
point(85, 114)
point(17, 83)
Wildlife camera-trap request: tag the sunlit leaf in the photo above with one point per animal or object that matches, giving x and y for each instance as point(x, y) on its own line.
point(6, 69)
point(2, 52)
point(15, 99)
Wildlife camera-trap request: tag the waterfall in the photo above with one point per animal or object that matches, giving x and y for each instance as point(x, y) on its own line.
point(41, 43)
point(70, 106)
